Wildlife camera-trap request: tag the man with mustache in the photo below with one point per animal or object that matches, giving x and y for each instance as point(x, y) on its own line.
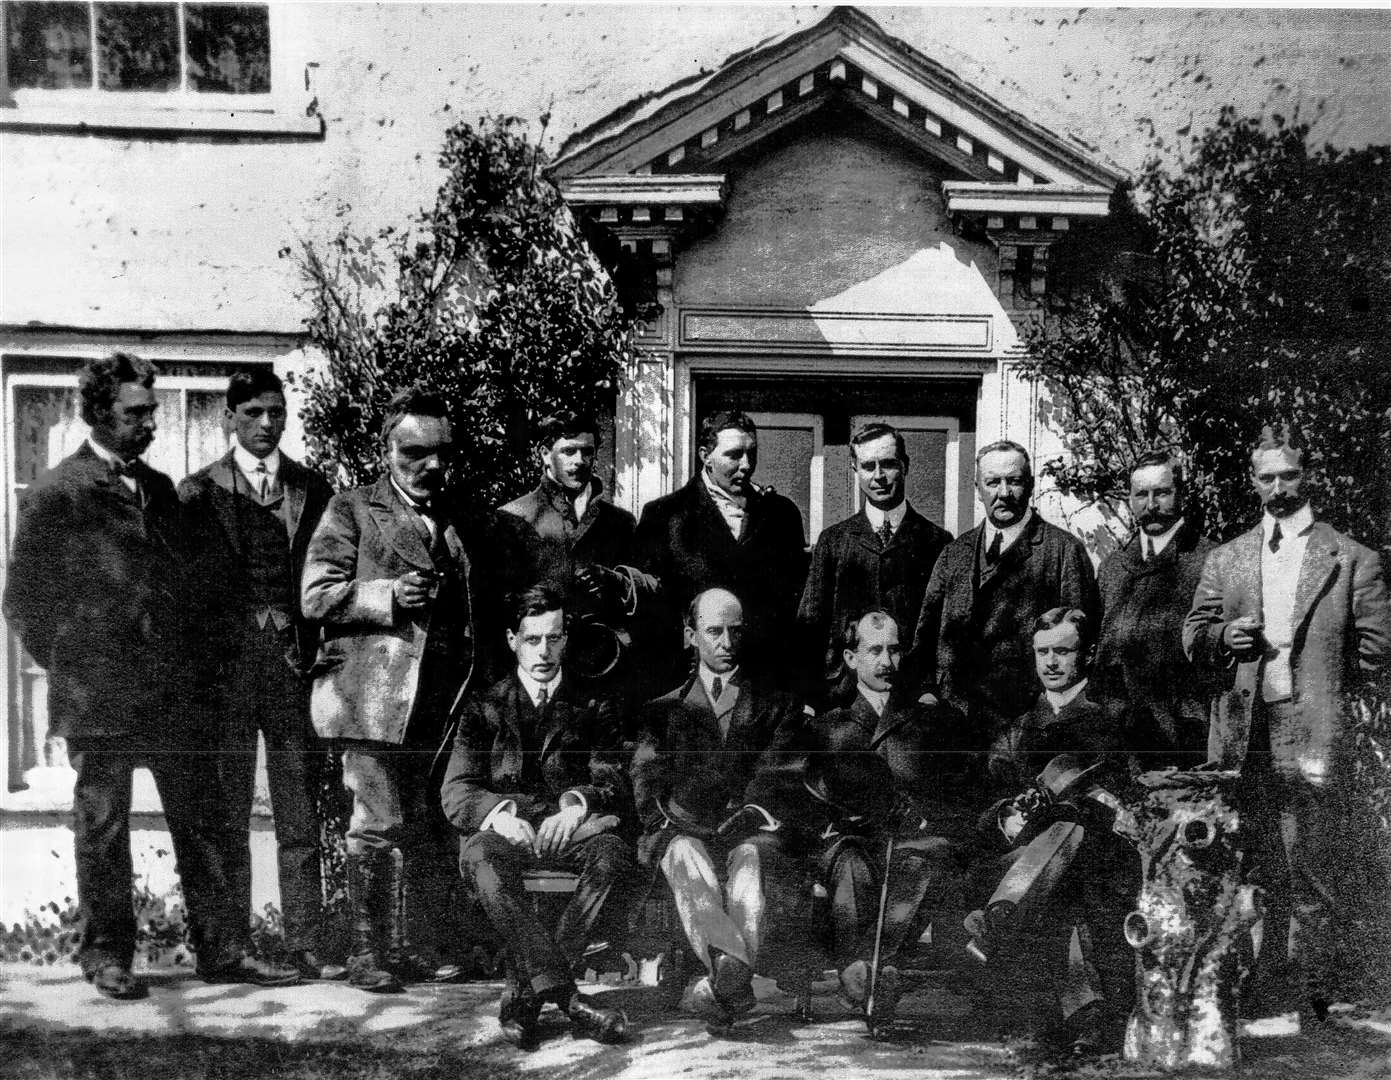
point(880, 557)
point(973, 647)
point(397, 581)
point(1296, 615)
point(722, 531)
point(99, 592)
point(1146, 591)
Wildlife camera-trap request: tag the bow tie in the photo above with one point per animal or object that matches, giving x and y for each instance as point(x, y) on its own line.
point(125, 468)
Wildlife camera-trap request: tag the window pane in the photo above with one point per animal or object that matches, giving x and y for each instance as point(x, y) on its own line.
point(138, 46)
point(208, 439)
point(228, 48)
point(49, 46)
point(47, 429)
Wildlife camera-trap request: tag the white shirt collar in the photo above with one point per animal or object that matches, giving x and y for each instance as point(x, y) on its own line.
point(718, 493)
point(533, 688)
point(1060, 699)
point(877, 516)
point(414, 504)
point(106, 455)
point(707, 677)
point(247, 461)
point(1009, 535)
point(878, 699)
point(1160, 542)
point(1297, 524)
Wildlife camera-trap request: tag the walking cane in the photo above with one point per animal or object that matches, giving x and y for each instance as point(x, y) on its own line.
point(879, 936)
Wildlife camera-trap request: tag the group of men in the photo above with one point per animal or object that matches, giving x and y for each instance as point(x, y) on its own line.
point(675, 705)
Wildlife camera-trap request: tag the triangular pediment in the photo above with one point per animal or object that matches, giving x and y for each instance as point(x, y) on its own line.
point(844, 62)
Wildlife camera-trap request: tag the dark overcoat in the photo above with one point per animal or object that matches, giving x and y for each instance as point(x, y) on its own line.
point(573, 745)
point(851, 572)
point(217, 552)
point(975, 636)
point(1140, 662)
point(96, 592)
point(1342, 637)
point(1081, 727)
point(604, 535)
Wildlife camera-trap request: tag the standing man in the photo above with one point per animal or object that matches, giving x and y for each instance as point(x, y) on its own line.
point(1299, 613)
point(250, 515)
point(98, 594)
point(1146, 590)
point(709, 756)
point(405, 626)
point(722, 531)
point(880, 558)
point(534, 782)
point(582, 544)
point(973, 647)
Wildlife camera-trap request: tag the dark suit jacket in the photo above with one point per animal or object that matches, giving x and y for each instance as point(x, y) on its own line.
point(975, 637)
point(1081, 727)
point(1342, 636)
point(96, 593)
point(209, 499)
point(933, 765)
point(1140, 664)
point(679, 735)
point(684, 542)
point(506, 748)
point(851, 572)
point(369, 672)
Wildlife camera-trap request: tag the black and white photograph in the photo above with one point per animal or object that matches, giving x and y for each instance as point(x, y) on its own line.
point(638, 541)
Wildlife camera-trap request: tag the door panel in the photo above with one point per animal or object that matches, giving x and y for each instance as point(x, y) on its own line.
point(790, 460)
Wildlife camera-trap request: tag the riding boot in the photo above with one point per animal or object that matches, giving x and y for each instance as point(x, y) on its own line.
point(369, 881)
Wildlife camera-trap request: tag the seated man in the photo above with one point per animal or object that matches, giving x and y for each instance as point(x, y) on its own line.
point(1063, 879)
point(911, 760)
point(534, 783)
point(700, 748)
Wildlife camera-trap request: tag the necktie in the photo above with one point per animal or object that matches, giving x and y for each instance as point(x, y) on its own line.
point(131, 470)
point(886, 533)
point(716, 688)
point(262, 481)
point(992, 554)
point(541, 695)
point(1275, 538)
point(1149, 550)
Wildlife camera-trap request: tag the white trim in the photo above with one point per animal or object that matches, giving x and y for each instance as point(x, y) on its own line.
point(1040, 199)
point(650, 190)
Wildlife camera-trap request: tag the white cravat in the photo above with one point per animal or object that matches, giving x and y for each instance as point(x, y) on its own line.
point(730, 510)
point(878, 699)
point(535, 688)
point(1279, 580)
point(1008, 535)
point(1061, 699)
point(1151, 546)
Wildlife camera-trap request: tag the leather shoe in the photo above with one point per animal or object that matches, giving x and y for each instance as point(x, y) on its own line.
point(310, 967)
point(726, 994)
point(247, 969)
point(414, 968)
point(115, 981)
point(518, 1016)
point(594, 1021)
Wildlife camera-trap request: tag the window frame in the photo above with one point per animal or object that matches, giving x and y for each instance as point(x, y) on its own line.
point(289, 109)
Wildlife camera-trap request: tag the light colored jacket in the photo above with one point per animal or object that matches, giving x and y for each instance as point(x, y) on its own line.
point(1342, 633)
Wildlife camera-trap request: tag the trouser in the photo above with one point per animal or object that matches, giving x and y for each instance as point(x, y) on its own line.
point(1298, 854)
point(924, 877)
point(761, 913)
point(543, 960)
point(262, 693)
point(395, 807)
point(188, 792)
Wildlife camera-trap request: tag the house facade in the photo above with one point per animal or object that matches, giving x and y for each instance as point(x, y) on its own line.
point(848, 218)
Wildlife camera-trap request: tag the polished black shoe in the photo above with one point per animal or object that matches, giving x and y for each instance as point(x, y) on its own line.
point(594, 1021)
point(414, 968)
point(311, 968)
point(115, 981)
point(247, 969)
point(518, 1016)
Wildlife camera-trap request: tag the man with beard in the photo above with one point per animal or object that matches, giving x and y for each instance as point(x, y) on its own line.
point(1295, 613)
point(880, 557)
point(722, 531)
point(407, 625)
point(581, 543)
point(973, 646)
point(1146, 591)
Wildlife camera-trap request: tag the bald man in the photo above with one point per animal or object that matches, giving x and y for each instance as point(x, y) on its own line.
point(707, 755)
